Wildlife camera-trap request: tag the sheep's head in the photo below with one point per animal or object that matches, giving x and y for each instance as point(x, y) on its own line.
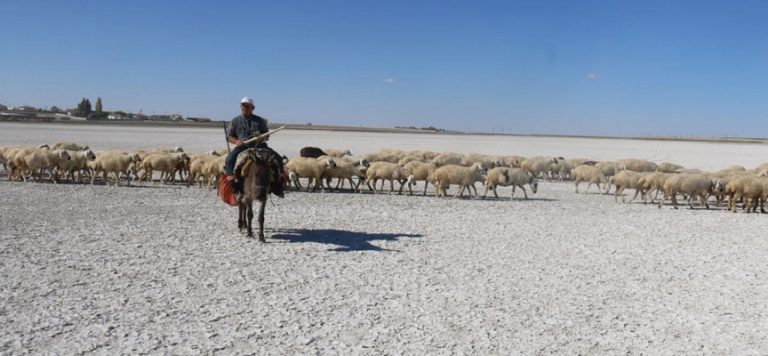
point(717, 186)
point(411, 180)
point(45, 146)
point(135, 157)
point(534, 183)
point(89, 155)
point(330, 163)
point(481, 167)
point(365, 163)
point(346, 153)
point(178, 149)
point(213, 153)
point(183, 156)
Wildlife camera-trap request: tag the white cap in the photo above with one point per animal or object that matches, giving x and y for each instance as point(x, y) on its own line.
point(246, 100)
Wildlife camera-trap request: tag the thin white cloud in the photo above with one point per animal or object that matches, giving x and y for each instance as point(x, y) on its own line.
point(390, 80)
point(593, 76)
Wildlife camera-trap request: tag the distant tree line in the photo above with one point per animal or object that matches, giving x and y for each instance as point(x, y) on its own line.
point(428, 128)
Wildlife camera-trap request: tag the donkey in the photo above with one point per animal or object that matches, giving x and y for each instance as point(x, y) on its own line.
point(258, 173)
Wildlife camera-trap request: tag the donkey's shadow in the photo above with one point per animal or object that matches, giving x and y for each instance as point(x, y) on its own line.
point(345, 240)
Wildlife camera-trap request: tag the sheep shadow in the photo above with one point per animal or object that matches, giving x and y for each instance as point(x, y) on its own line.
point(517, 199)
point(345, 240)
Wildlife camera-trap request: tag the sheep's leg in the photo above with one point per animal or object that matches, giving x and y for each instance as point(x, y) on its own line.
point(577, 186)
point(297, 182)
point(459, 192)
point(487, 188)
point(619, 191)
point(704, 201)
point(524, 192)
point(691, 198)
point(391, 186)
point(241, 216)
point(674, 200)
point(402, 182)
point(589, 185)
point(426, 185)
point(637, 191)
point(598, 187)
point(117, 178)
point(320, 182)
point(474, 189)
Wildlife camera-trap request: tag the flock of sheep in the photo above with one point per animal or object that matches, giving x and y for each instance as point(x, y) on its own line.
point(319, 167)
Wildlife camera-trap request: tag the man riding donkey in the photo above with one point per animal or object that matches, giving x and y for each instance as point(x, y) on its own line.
point(240, 130)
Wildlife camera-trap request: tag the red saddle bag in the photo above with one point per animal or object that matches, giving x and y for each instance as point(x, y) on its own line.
point(226, 191)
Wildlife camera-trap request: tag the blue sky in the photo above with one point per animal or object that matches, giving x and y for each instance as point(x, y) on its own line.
point(690, 68)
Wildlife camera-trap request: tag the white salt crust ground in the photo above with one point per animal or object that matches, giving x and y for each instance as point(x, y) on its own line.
point(163, 269)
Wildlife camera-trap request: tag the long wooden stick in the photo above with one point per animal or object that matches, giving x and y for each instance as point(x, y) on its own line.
point(226, 137)
point(254, 139)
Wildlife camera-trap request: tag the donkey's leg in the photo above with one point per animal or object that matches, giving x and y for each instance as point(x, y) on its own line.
point(249, 206)
point(262, 204)
point(240, 216)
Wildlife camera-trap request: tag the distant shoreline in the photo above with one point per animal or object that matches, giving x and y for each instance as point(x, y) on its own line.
point(218, 124)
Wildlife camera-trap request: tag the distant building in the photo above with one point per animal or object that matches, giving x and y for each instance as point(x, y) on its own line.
point(3, 107)
point(116, 116)
point(199, 119)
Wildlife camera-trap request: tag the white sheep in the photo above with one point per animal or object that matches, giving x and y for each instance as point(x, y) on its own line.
point(387, 171)
point(69, 146)
point(654, 182)
point(511, 161)
point(505, 176)
point(636, 165)
point(115, 162)
point(448, 158)
point(76, 163)
point(667, 167)
point(336, 153)
point(691, 185)
point(590, 174)
point(196, 164)
point(420, 172)
point(538, 166)
point(498, 176)
point(487, 161)
point(310, 168)
point(465, 177)
point(609, 168)
point(745, 187)
point(626, 179)
point(40, 160)
point(166, 163)
point(212, 169)
point(346, 169)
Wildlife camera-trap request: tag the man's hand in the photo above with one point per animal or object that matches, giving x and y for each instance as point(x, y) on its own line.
point(239, 142)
